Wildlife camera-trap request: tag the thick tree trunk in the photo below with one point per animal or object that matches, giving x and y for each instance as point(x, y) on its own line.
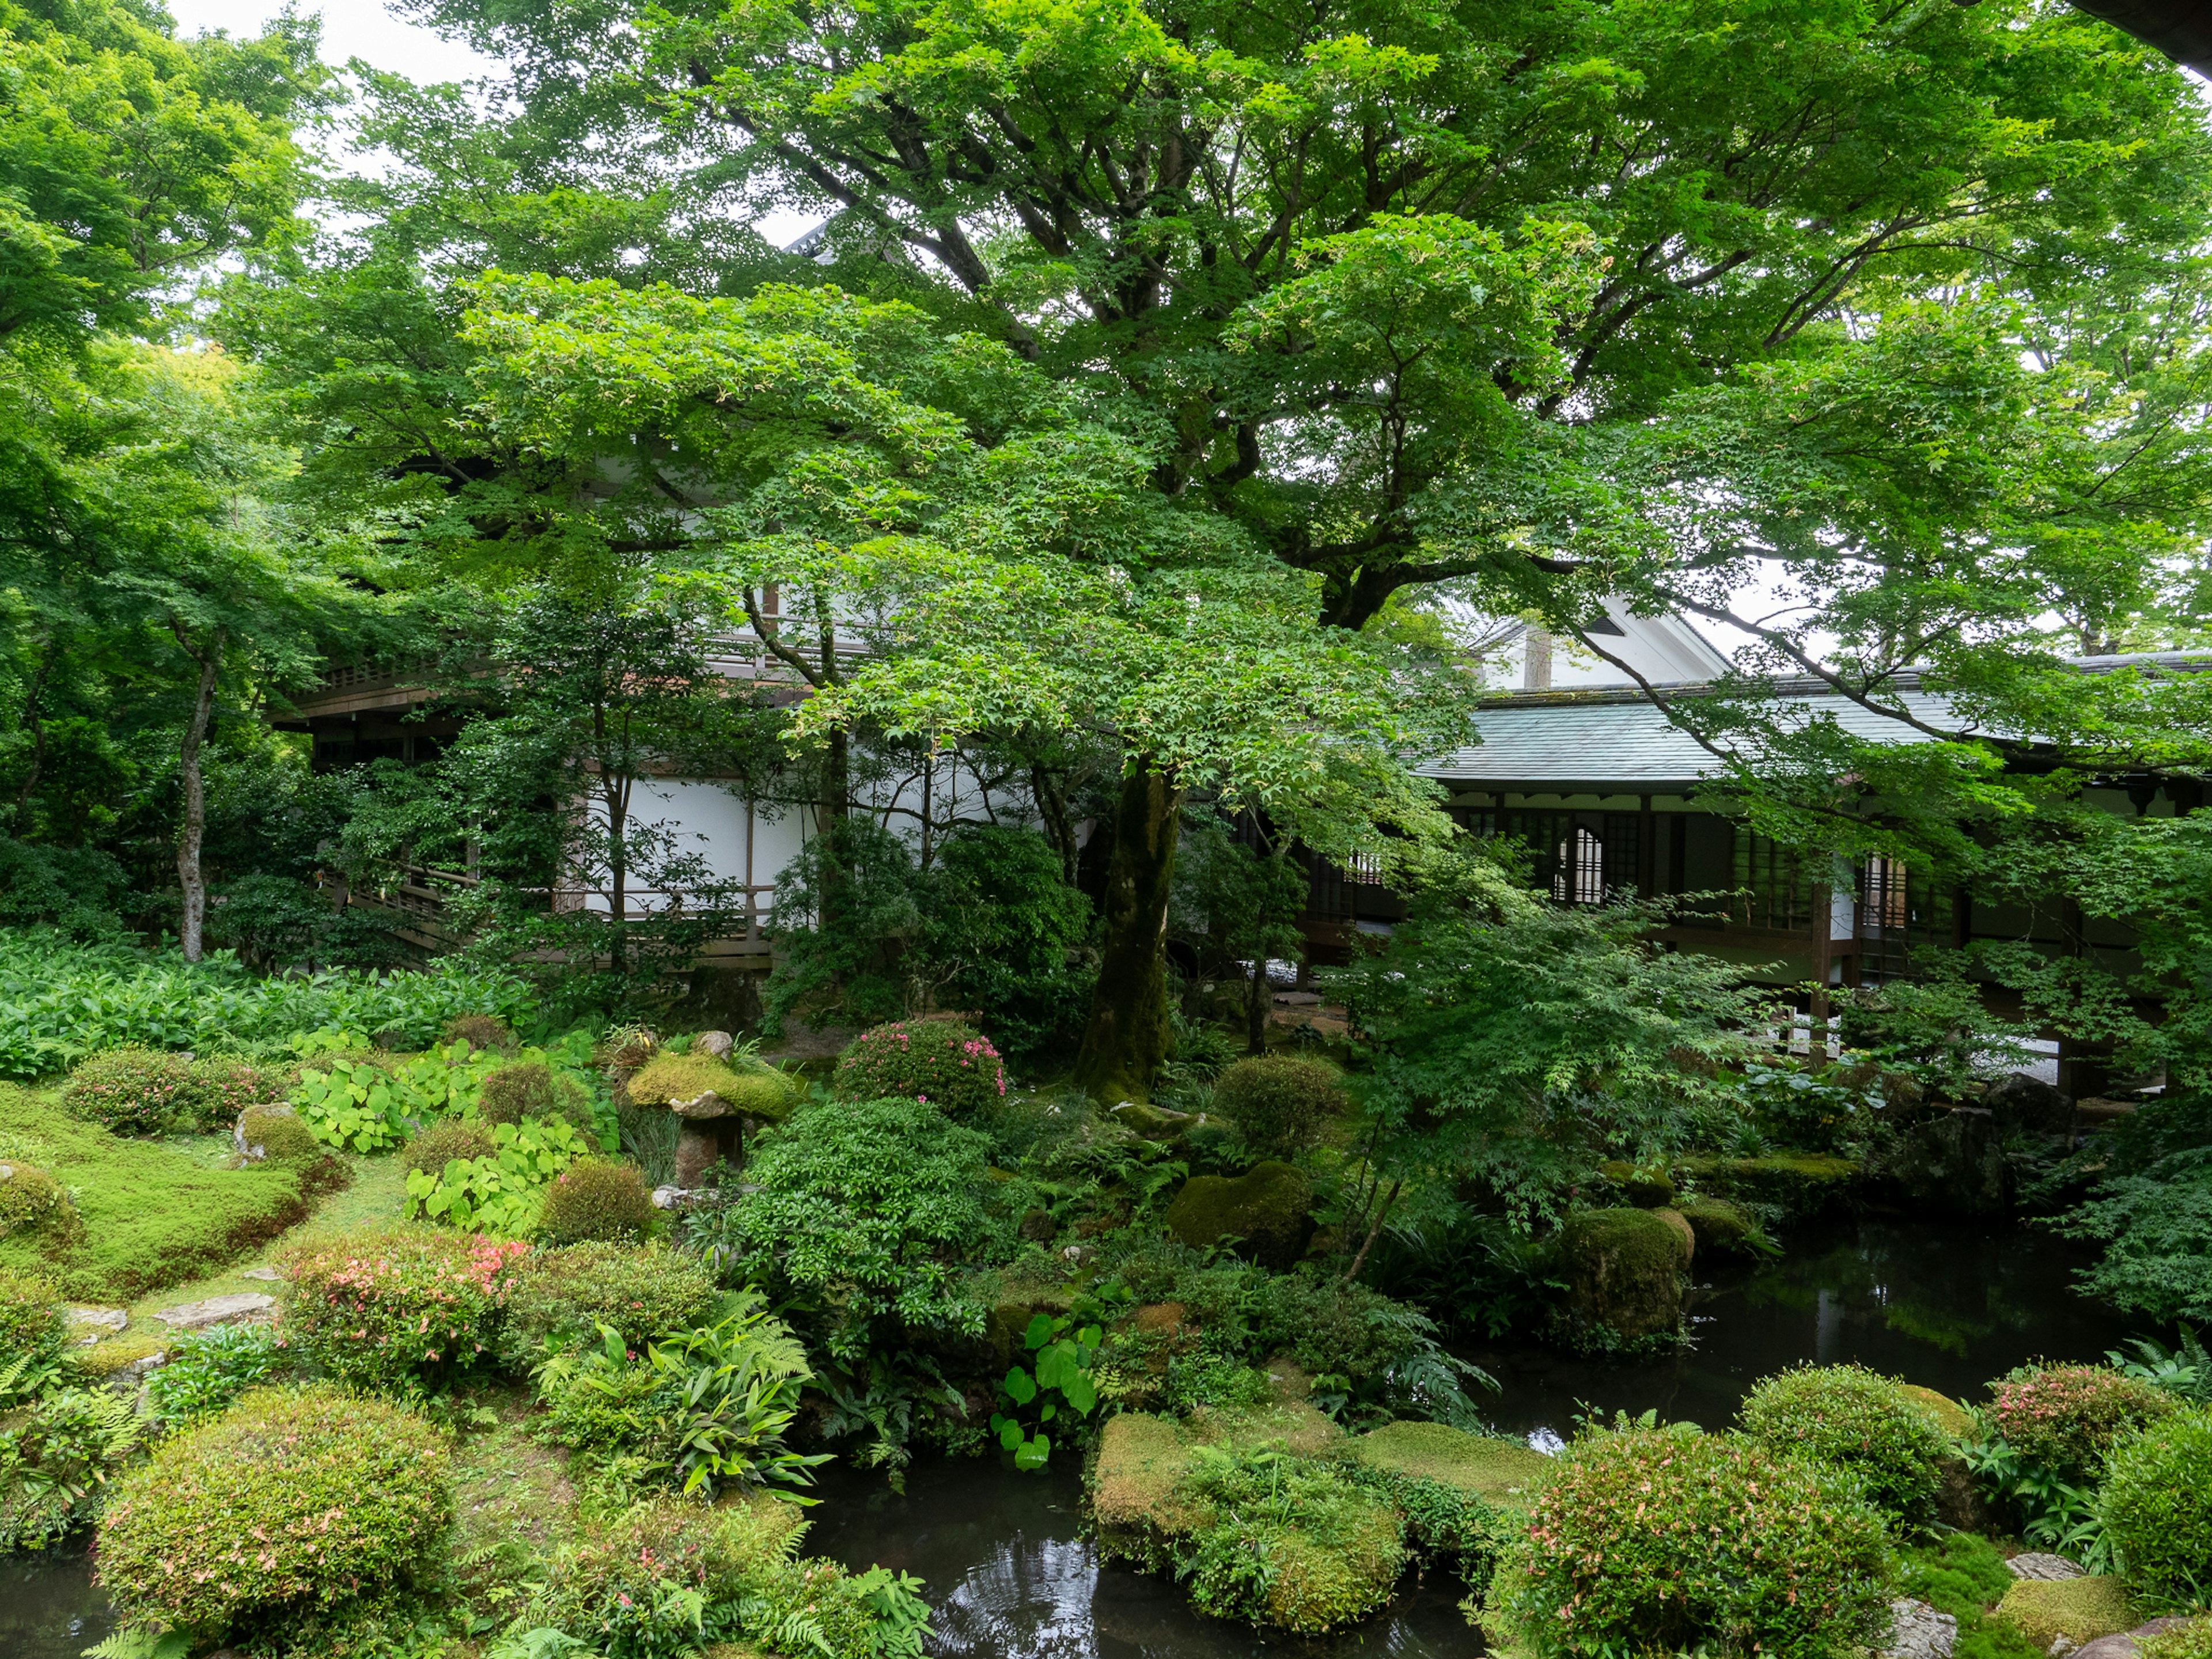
point(1128, 1035)
point(189, 877)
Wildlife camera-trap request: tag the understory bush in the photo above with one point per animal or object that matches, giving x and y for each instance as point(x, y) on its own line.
point(948, 1065)
point(2156, 1508)
point(703, 1410)
point(529, 1088)
point(2151, 1209)
point(60, 1001)
point(55, 1455)
point(146, 1091)
point(434, 1145)
point(398, 1309)
point(858, 1212)
point(293, 1500)
point(206, 1371)
point(1280, 1102)
point(1674, 1541)
point(1849, 1417)
point(32, 1324)
point(597, 1200)
point(2190, 1640)
point(2070, 1418)
point(557, 1296)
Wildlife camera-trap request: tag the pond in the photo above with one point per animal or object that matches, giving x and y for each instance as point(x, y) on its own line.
point(1013, 1576)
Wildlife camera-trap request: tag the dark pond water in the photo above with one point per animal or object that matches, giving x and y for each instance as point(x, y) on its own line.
point(1007, 1565)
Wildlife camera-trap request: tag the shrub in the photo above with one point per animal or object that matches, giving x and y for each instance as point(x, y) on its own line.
point(1668, 1541)
point(294, 1500)
point(1280, 1102)
point(940, 1061)
point(398, 1309)
point(2070, 1417)
point(33, 1201)
point(279, 1133)
point(132, 1091)
point(480, 1031)
point(436, 1144)
point(597, 1200)
point(31, 1318)
point(863, 1211)
point(529, 1089)
point(54, 1456)
point(221, 1088)
point(2156, 1507)
point(206, 1371)
point(2192, 1640)
point(1847, 1416)
point(639, 1290)
point(1359, 1346)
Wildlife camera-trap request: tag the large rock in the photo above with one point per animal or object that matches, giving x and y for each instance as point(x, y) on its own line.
point(1719, 1226)
point(1917, 1631)
point(2127, 1646)
point(239, 1306)
point(1953, 1162)
point(2044, 1568)
point(1624, 1270)
point(2021, 1101)
point(720, 1044)
point(1264, 1208)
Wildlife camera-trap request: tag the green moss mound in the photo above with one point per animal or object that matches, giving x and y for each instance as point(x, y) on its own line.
point(31, 1317)
point(2079, 1609)
point(153, 1215)
point(755, 1092)
point(596, 1200)
point(1280, 1102)
point(2156, 1505)
point(1950, 1416)
point(1265, 1208)
point(294, 1500)
point(1720, 1226)
point(279, 1135)
point(1854, 1419)
point(1499, 1472)
point(1624, 1270)
point(1795, 1187)
point(33, 1201)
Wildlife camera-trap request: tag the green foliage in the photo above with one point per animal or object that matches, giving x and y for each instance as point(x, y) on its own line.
point(2070, 1418)
point(149, 1215)
point(999, 921)
point(2156, 1508)
point(596, 1199)
point(504, 1193)
point(435, 1144)
point(485, 1031)
point(146, 1091)
point(1965, 1576)
point(1370, 1356)
point(862, 1211)
point(206, 1371)
point(1286, 1541)
point(1444, 1522)
point(292, 1500)
point(1670, 1539)
point(942, 1061)
point(703, 1409)
point(397, 1310)
point(2183, 1370)
point(528, 1088)
point(559, 1295)
point(2152, 1209)
point(31, 1201)
point(1056, 1380)
point(60, 1002)
point(54, 1458)
point(1849, 1417)
point(367, 1102)
point(1280, 1102)
point(2190, 1640)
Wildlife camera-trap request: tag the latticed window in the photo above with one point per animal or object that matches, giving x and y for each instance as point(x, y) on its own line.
point(1885, 904)
point(1578, 873)
point(1365, 868)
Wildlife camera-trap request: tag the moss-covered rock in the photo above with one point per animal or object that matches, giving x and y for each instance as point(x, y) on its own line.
point(1686, 1237)
point(1152, 1123)
point(670, 1079)
point(1795, 1186)
point(1640, 1188)
point(1950, 1416)
point(1499, 1472)
point(1265, 1208)
point(1624, 1270)
point(33, 1201)
point(2079, 1609)
point(1720, 1227)
point(277, 1132)
point(1141, 1458)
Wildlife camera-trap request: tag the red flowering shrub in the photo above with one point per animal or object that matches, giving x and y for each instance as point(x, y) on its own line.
point(2070, 1418)
point(148, 1092)
point(400, 1309)
point(939, 1061)
point(1668, 1541)
point(291, 1501)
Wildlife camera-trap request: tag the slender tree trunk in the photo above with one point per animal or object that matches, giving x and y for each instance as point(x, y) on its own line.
point(1128, 1035)
point(189, 877)
point(35, 722)
point(1373, 1232)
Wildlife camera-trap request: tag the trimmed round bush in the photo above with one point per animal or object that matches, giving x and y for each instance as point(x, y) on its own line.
point(397, 1307)
point(2070, 1417)
point(280, 1134)
point(221, 1088)
point(31, 1200)
point(292, 1501)
point(641, 1290)
point(2156, 1505)
point(1280, 1102)
point(1672, 1541)
point(939, 1062)
point(1849, 1417)
point(480, 1031)
point(528, 1088)
point(596, 1199)
point(132, 1091)
point(437, 1143)
point(31, 1317)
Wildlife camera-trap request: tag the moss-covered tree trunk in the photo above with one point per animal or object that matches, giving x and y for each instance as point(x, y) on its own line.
point(1128, 1035)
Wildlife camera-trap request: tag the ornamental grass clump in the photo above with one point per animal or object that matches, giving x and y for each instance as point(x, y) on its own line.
point(2070, 1418)
point(291, 1502)
point(1852, 1418)
point(939, 1062)
point(1668, 1541)
point(399, 1309)
point(2156, 1508)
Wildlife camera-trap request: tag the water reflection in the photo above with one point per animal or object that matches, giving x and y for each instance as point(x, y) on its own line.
point(48, 1607)
point(1947, 1307)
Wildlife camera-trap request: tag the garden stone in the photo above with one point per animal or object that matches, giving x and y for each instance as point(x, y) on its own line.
point(697, 1152)
point(1917, 1631)
point(2021, 1101)
point(720, 1044)
point(2044, 1566)
point(216, 1310)
point(1624, 1270)
point(1265, 1208)
point(237, 1129)
point(129, 1380)
point(1685, 1235)
point(101, 1321)
point(267, 1275)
